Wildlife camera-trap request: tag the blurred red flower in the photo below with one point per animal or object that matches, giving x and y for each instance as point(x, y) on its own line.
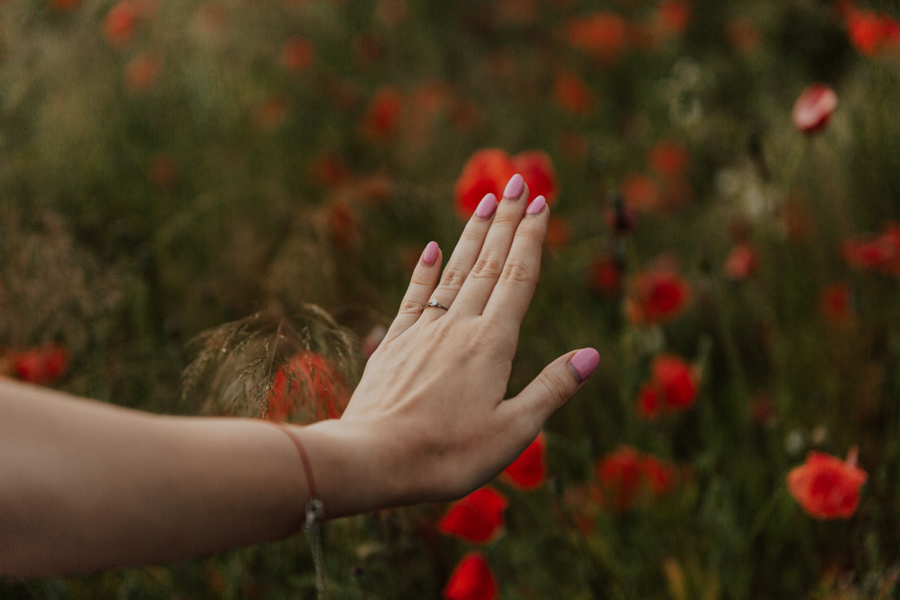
point(827, 487)
point(649, 405)
point(536, 167)
point(640, 192)
point(742, 34)
point(343, 227)
point(572, 94)
point(271, 113)
point(486, 172)
point(674, 16)
point(880, 254)
point(835, 303)
point(489, 170)
point(42, 365)
point(472, 579)
point(605, 276)
point(602, 34)
point(627, 476)
point(872, 33)
point(659, 475)
point(813, 108)
point(120, 23)
point(142, 72)
point(669, 159)
point(297, 55)
point(657, 296)
point(676, 380)
point(529, 471)
point(742, 262)
point(308, 383)
point(477, 517)
point(329, 170)
point(383, 115)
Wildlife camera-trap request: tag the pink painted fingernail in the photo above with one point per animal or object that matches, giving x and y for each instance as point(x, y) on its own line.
point(584, 363)
point(486, 207)
point(514, 188)
point(430, 254)
point(536, 206)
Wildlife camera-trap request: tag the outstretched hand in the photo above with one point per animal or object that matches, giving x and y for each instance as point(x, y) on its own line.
point(429, 420)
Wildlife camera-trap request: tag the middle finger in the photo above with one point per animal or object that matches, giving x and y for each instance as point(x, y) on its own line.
point(477, 288)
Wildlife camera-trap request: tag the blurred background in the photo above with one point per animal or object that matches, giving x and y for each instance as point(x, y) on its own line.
point(183, 178)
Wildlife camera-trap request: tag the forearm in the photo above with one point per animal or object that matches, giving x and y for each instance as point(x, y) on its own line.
point(85, 485)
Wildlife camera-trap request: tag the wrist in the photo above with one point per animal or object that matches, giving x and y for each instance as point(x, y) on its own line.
point(351, 467)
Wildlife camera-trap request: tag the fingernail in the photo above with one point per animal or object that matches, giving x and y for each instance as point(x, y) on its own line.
point(536, 206)
point(486, 207)
point(583, 364)
point(514, 188)
point(430, 254)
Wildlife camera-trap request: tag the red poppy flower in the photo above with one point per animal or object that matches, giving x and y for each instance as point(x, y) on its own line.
point(620, 475)
point(472, 579)
point(329, 170)
point(674, 16)
point(660, 476)
point(669, 159)
point(271, 113)
point(649, 402)
point(343, 228)
point(486, 172)
point(120, 23)
point(530, 470)
point(308, 383)
point(872, 33)
point(813, 108)
point(658, 296)
point(640, 192)
point(676, 380)
point(43, 365)
point(835, 303)
point(297, 55)
point(881, 254)
point(605, 276)
point(572, 94)
point(602, 34)
point(742, 262)
point(537, 169)
point(743, 35)
point(827, 487)
point(142, 72)
point(383, 115)
point(477, 517)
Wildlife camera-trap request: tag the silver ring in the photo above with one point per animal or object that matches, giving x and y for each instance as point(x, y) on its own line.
point(433, 304)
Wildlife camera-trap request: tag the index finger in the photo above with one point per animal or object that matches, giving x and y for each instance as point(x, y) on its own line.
point(512, 294)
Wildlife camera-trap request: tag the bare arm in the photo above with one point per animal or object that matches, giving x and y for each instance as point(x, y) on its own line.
point(85, 485)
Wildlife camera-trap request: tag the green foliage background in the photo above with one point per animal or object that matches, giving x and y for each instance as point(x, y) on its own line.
point(124, 266)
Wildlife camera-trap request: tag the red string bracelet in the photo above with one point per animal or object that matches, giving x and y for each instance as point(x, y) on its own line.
point(315, 508)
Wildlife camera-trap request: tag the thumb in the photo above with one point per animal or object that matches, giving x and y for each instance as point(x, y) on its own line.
point(556, 384)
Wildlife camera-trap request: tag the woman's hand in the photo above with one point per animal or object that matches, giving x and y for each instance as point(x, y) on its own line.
point(429, 421)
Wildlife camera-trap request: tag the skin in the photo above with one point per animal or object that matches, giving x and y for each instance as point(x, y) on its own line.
point(86, 485)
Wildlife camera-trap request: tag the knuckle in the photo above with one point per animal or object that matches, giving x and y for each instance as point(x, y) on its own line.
point(487, 267)
point(453, 278)
point(471, 234)
point(557, 388)
point(506, 219)
point(517, 270)
point(410, 306)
